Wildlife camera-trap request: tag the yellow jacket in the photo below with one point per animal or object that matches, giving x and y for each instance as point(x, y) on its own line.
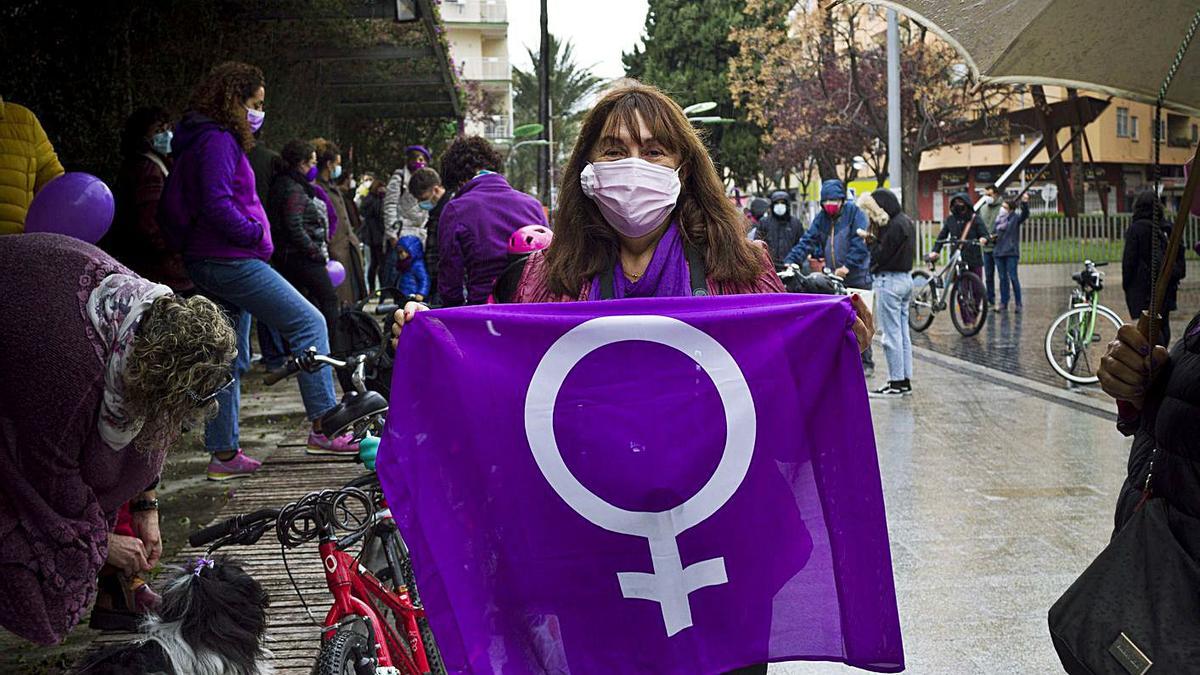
point(27, 162)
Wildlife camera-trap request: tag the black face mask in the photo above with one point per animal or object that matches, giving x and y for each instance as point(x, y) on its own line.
point(961, 209)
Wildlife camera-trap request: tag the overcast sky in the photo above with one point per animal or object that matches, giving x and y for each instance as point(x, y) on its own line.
point(600, 30)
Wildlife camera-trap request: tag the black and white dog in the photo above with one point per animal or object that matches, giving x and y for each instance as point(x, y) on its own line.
point(212, 622)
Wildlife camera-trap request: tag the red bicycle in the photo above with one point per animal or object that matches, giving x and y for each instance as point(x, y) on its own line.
point(376, 624)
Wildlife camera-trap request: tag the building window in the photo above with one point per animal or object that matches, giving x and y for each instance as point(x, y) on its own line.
point(1195, 134)
point(1122, 122)
point(1133, 127)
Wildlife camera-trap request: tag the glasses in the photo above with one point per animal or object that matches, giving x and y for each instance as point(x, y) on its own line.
point(200, 400)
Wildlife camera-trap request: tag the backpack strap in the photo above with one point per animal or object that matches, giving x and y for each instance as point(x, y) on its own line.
point(696, 270)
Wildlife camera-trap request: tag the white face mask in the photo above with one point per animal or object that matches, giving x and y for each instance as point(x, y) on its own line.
point(779, 209)
point(634, 195)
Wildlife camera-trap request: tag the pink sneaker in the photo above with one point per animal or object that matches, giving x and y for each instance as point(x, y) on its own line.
point(320, 444)
point(240, 465)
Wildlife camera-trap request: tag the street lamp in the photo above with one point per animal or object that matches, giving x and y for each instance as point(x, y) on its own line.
point(697, 108)
point(513, 150)
point(711, 120)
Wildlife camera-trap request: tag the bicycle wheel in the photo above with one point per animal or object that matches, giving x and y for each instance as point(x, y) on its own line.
point(346, 653)
point(1070, 354)
point(920, 308)
point(968, 304)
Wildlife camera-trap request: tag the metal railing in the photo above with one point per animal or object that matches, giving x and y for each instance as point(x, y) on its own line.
point(486, 68)
point(1068, 240)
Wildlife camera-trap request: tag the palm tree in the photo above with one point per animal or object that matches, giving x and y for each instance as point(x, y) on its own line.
point(571, 87)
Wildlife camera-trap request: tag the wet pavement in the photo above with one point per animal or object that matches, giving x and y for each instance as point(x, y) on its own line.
point(1014, 343)
point(999, 492)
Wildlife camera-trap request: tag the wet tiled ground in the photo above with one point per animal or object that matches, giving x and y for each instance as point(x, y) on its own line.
point(996, 498)
point(1014, 343)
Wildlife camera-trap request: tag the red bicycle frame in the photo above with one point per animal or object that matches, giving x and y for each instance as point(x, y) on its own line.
point(351, 586)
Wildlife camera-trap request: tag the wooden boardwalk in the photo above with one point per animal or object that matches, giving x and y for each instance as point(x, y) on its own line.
point(287, 475)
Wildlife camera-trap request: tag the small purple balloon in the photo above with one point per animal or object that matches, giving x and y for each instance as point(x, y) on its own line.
point(337, 273)
point(75, 204)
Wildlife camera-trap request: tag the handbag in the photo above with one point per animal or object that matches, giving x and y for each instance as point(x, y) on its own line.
point(1136, 608)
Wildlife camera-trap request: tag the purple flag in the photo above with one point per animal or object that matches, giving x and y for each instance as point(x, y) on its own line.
point(674, 485)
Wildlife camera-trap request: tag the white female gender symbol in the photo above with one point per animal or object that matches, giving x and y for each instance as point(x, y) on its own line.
point(671, 583)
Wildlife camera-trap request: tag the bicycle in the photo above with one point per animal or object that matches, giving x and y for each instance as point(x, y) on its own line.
point(376, 623)
point(360, 412)
point(1076, 340)
point(968, 308)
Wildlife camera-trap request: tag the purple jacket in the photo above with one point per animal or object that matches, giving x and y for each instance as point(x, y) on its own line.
point(473, 234)
point(62, 484)
point(209, 206)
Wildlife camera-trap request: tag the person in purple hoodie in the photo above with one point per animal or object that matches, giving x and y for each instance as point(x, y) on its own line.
point(475, 225)
point(211, 210)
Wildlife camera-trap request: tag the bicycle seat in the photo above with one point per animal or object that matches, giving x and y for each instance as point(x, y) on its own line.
point(352, 410)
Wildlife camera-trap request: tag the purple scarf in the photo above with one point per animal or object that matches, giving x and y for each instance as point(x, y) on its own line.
point(666, 276)
point(333, 219)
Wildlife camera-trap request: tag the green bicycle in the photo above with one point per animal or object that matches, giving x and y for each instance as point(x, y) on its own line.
point(1076, 340)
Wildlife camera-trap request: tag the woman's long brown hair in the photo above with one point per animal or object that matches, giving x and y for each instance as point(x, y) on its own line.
point(222, 95)
point(584, 244)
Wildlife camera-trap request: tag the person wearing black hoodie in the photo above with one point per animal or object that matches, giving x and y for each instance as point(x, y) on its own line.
point(778, 228)
point(1136, 262)
point(893, 243)
point(963, 217)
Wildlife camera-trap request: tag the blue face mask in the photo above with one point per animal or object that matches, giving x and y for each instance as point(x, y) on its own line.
point(161, 142)
point(426, 205)
point(337, 172)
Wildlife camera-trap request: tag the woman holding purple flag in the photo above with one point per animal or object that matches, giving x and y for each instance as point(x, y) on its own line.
point(643, 214)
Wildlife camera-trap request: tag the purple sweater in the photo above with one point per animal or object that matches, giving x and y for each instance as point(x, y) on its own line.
point(209, 207)
point(473, 233)
point(62, 483)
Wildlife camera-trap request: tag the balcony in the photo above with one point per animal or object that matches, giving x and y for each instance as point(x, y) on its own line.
point(486, 68)
point(496, 130)
point(475, 11)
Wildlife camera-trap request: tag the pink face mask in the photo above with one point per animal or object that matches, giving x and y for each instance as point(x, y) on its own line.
point(831, 209)
point(634, 195)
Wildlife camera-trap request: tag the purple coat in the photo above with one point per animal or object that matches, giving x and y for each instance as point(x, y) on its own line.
point(62, 484)
point(473, 234)
point(209, 206)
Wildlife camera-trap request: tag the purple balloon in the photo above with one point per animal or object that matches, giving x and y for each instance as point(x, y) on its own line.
point(75, 204)
point(337, 273)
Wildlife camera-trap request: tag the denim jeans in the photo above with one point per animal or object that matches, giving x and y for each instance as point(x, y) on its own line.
point(989, 278)
point(893, 292)
point(252, 287)
point(1007, 264)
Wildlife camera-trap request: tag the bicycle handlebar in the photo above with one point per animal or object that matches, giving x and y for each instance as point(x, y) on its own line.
point(310, 362)
point(225, 528)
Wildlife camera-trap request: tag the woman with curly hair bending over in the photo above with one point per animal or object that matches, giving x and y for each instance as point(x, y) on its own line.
point(210, 208)
point(100, 372)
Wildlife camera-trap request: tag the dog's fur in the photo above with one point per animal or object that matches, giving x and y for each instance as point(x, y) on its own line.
point(211, 623)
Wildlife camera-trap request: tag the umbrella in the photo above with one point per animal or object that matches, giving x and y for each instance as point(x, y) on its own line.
point(1119, 47)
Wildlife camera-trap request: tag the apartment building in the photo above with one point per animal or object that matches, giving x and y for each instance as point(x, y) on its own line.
point(477, 31)
point(1122, 145)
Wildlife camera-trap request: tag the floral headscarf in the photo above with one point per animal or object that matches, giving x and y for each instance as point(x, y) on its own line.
point(116, 308)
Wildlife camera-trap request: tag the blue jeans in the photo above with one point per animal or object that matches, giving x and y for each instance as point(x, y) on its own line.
point(893, 292)
point(1007, 264)
point(989, 278)
point(252, 287)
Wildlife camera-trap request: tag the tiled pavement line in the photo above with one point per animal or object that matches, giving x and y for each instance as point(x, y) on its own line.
point(1083, 401)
